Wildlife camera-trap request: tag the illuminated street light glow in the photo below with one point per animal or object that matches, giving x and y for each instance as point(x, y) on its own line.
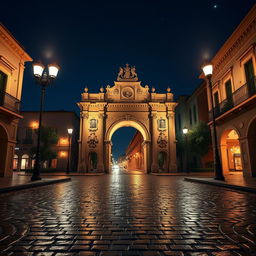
point(207, 69)
point(38, 69)
point(53, 70)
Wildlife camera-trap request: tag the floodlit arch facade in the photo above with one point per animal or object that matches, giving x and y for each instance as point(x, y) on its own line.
point(126, 104)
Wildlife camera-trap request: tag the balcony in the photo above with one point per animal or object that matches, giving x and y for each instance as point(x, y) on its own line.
point(240, 95)
point(9, 102)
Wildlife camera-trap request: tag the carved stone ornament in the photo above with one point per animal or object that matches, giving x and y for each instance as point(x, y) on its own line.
point(92, 140)
point(127, 92)
point(127, 73)
point(162, 140)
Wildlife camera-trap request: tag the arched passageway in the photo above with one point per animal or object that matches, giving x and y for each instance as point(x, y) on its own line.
point(3, 150)
point(137, 154)
point(127, 150)
point(230, 151)
point(251, 137)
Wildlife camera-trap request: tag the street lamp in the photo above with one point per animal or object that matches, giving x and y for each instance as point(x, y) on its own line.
point(43, 78)
point(70, 131)
point(207, 69)
point(185, 132)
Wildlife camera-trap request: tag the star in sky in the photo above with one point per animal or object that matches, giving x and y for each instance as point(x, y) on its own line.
point(215, 6)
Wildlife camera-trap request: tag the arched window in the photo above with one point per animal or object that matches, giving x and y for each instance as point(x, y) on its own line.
point(24, 162)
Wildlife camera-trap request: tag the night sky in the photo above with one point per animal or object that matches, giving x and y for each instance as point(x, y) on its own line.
point(167, 41)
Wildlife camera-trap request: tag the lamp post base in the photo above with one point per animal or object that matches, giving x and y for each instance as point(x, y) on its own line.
point(219, 178)
point(34, 178)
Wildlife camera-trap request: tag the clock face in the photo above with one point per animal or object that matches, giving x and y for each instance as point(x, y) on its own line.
point(127, 93)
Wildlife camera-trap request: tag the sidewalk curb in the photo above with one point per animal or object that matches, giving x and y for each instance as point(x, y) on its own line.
point(68, 175)
point(33, 185)
point(220, 184)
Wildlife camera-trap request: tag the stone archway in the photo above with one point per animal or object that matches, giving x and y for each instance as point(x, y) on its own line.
point(128, 123)
point(230, 151)
point(127, 103)
point(3, 150)
point(251, 138)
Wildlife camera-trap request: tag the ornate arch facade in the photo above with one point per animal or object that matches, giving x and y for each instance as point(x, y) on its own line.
point(127, 103)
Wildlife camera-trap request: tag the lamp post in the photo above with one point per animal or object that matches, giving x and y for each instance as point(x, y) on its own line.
point(207, 69)
point(185, 132)
point(70, 131)
point(44, 78)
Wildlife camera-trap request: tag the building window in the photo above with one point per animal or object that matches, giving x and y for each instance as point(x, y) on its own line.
point(93, 124)
point(249, 76)
point(228, 88)
point(195, 114)
point(161, 124)
point(3, 81)
point(190, 116)
point(216, 103)
point(15, 162)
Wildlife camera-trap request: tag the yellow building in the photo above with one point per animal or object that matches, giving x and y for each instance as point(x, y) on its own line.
point(127, 103)
point(12, 60)
point(234, 94)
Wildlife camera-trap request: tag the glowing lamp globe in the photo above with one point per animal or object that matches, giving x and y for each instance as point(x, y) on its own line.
point(38, 69)
point(53, 70)
point(185, 130)
point(207, 69)
point(70, 131)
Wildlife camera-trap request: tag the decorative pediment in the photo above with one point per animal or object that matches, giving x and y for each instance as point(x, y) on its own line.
point(126, 92)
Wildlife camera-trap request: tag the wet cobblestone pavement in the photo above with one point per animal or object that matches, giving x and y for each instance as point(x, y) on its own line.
point(128, 215)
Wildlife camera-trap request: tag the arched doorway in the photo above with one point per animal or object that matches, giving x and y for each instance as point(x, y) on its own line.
point(230, 151)
point(3, 150)
point(15, 162)
point(24, 162)
point(127, 151)
point(135, 159)
point(251, 137)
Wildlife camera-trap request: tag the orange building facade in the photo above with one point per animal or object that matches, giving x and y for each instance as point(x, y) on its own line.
point(60, 121)
point(234, 94)
point(12, 61)
point(134, 153)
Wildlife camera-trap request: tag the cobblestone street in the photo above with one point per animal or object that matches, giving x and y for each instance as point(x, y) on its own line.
point(128, 215)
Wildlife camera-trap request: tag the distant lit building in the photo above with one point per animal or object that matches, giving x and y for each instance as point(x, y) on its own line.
point(12, 60)
point(192, 110)
point(234, 94)
point(27, 139)
point(134, 153)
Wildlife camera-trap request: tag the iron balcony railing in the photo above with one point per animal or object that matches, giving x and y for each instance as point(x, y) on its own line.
point(9, 102)
point(241, 94)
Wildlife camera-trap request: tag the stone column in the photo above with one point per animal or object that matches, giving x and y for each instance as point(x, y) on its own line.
point(101, 141)
point(245, 153)
point(146, 155)
point(82, 157)
point(107, 155)
point(154, 153)
point(172, 142)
